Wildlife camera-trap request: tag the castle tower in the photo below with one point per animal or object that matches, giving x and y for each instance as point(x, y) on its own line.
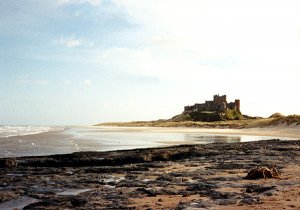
point(237, 104)
point(219, 99)
point(216, 97)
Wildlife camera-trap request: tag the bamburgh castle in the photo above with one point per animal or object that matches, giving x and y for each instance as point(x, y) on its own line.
point(219, 105)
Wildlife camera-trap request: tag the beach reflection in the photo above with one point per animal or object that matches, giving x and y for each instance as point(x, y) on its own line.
point(206, 139)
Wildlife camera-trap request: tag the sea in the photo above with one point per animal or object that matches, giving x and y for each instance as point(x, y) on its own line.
point(17, 141)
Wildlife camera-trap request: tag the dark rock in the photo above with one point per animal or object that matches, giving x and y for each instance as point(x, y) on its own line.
point(78, 201)
point(225, 202)
point(42, 205)
point(131, 177)
point(249, 201)
point(186, 194)
point(193, 205)
point(201, 186)
point(8, 163)
point(131, 183)
point(165, 178)
point(258, 188)
point(219, 195)
point(147, 191)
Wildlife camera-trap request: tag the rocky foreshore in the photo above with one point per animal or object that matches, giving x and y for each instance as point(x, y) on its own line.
point(210, 176)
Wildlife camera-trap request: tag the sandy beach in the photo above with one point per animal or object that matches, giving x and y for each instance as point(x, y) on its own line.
point(291, 131)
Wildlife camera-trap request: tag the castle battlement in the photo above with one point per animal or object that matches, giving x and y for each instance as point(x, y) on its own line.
point(219, 104)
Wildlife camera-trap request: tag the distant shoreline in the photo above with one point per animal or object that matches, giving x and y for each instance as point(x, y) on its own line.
point(288, 126)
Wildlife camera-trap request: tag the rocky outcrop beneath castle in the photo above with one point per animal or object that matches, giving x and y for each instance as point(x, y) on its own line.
point(208, 116)
point(179, 177)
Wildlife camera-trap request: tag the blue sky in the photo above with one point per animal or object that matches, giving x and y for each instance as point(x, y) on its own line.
point(68, 62)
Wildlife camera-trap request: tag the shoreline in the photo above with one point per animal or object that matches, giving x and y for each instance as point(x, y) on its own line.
point(178, 177)
point(89, 138)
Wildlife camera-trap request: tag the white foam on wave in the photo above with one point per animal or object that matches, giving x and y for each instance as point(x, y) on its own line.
point(11, 130)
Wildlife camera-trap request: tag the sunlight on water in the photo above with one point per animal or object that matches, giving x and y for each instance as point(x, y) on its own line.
point(9, 131)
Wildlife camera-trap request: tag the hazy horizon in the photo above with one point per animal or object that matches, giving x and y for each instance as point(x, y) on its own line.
point(82, 62)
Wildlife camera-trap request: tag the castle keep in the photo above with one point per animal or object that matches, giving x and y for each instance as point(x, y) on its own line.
point(219, 105)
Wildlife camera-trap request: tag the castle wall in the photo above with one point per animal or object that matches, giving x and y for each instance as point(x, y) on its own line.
point(231, 105)
point(219, 104)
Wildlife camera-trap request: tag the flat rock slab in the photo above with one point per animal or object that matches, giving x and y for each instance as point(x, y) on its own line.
point(178, 177)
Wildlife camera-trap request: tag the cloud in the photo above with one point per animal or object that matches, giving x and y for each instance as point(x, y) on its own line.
point(194, 35)
point(86, 82)
point(165, 64)
point(72, 42)
point(66, 82)
point(42, 82)
point(68, 42)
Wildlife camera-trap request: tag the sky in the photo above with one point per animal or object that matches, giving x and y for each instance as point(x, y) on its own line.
point(81, 62)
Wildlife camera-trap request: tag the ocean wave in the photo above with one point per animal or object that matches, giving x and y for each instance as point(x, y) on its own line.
point(10, 130)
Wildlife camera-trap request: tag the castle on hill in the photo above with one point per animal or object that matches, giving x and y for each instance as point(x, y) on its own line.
point(219, 105)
